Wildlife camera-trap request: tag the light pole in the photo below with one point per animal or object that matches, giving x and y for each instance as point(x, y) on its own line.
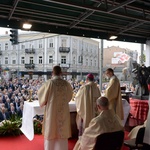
point(101, 64)
point(18, 62)
point(81, 59)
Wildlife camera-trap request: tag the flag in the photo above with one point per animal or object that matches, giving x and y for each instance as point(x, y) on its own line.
point(123, 57)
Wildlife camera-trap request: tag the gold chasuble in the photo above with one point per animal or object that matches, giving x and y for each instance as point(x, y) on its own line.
point(106, 121)
point(85, 100)
point(113, 93)
point(55, 94)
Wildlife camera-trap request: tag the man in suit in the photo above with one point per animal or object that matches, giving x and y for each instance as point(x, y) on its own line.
point(20, 110)
point(4, 115)
point(107, 121)
point(7, 104)
point(16, 104)
point(12, 112)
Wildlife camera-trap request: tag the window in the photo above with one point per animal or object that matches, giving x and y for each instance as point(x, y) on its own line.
point(51, 43)
point(95, 63)
point(63, 42)
point(6, 46)
point(86, 62)
point(14, 47)
point(22, 46)
point(50, 59)
point(63, 59)
point(22, 60)
point(6, 60)
point(40, 59)
point(31, 60)
point(40, 44)
point(75, 44)
point(13, 61)
point(74, 60)
point(86, 46)
point(91, 62)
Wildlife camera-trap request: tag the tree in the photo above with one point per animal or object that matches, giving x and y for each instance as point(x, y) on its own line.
point(142, 58)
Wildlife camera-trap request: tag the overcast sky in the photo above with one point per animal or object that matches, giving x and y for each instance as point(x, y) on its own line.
point(128, 45)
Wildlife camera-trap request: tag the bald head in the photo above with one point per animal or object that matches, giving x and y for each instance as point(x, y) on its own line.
point(103, 102)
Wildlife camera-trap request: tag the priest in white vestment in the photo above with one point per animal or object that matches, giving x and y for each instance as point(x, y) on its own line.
point(55, 95)
point(85, 100)
point(106, 121)
point(113, 93)
point(147, 129)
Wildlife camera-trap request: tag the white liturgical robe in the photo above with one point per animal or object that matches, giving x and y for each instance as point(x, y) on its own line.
point(85, 100)
point(147, 129)
point(113, 93)
point(106, 121)
point(55, 94)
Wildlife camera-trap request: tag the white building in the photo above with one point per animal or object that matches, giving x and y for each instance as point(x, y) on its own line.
point(37, 53)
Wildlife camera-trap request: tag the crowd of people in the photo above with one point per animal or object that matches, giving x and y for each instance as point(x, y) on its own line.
point(96, 114)
point(13, 93)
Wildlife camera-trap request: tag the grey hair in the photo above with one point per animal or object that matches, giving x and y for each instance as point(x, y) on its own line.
point(102, 101)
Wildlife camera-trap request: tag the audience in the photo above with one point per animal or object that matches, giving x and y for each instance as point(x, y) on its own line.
point(4, 115)
point(13, 93)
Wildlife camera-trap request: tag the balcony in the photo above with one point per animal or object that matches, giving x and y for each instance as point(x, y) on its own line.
point(30, 51)
point(29, 66)
point(64, 49)
point(64, 67)
point(0, 52)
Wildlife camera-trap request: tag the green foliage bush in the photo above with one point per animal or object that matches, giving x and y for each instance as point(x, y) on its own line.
point(10, 127)
point(37, 126)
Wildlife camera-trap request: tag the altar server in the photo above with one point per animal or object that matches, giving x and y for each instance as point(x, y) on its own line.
point(55, 94)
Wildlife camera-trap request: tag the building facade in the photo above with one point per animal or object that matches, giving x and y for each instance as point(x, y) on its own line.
point(122, 68)
point(37, 53)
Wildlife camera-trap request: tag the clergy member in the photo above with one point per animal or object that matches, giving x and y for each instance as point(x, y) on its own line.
point(147, 129)
point(85, 100)
point(107, 121)
point(113, 93)
point(55, 95)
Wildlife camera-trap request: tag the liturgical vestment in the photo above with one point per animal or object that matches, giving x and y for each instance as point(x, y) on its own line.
point(134, 131)
point(106, 121)
point(113, 93)
point(55, 94)
point(85, 100)
point(147, 129)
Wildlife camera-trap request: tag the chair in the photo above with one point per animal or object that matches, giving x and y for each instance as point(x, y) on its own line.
point(110, 141)
point(136, 143)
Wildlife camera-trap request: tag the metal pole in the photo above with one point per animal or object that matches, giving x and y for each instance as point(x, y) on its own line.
point(18, 62)
point(101, 64)
point(82, 58)
point(142, 49)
